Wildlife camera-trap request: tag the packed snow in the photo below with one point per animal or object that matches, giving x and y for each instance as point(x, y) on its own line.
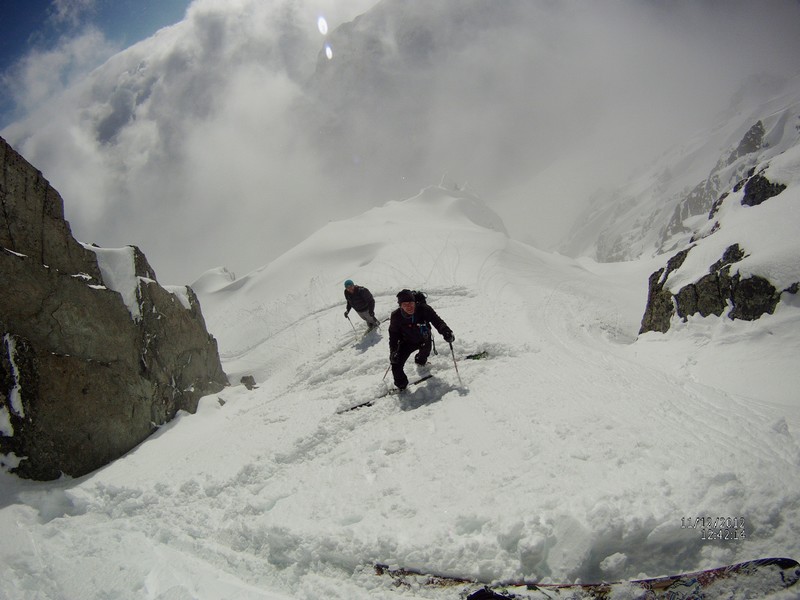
point(14, 397)
point(575, 451)
point(119, 274)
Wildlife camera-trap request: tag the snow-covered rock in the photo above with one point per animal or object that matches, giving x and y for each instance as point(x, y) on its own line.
point(95, 354)
point(659, 211)
point(743, 258)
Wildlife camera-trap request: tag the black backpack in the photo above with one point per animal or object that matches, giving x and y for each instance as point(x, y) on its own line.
point(420, 297)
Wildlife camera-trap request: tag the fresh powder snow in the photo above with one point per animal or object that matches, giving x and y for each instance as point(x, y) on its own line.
point(575, 451)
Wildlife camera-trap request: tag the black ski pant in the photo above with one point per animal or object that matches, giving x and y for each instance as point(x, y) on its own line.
point(403, 352)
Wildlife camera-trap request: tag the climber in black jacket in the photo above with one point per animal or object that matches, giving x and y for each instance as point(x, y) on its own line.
point(409, 331)
point(360, 300)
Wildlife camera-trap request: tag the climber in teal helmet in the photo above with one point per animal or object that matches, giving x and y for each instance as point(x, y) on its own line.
point(360, 300)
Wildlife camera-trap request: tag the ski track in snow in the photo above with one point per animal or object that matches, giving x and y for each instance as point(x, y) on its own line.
point(565, 455)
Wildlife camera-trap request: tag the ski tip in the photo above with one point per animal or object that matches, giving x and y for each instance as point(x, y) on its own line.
point(762, 577)
point(348, 409)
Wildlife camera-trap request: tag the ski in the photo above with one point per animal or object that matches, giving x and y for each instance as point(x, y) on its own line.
point(750, 579)
point(415, 382)
point(376, 328)
point(359, 337)
point(370, 330)
point(388, 393)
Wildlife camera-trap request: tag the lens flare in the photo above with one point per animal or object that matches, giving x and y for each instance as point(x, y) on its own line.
point(328, 51)
point(322, 25)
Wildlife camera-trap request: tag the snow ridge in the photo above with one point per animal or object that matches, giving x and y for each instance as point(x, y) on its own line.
point(573, 452)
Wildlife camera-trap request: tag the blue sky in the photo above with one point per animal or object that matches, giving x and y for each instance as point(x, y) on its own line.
point(32, 26)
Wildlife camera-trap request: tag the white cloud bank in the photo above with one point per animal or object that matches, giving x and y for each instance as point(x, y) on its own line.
point(208, 128)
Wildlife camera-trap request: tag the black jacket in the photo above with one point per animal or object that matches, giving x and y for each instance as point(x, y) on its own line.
point(413, 330)
point(360, 300)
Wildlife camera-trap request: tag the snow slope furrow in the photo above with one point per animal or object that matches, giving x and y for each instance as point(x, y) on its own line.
point(577, 450)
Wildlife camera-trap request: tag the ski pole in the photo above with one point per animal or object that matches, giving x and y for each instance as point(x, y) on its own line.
point(453, 352)
point(390, 360)
point(351, 325)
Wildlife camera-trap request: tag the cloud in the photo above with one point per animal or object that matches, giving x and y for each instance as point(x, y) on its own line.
point(536, 105)
point(70, 12)
point(42, 75)
point(186, 140)
point(216, 141)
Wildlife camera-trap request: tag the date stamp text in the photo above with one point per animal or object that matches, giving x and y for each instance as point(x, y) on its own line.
point(713, 528)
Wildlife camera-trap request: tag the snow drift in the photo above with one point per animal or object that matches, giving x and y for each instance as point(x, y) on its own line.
point(574, 452)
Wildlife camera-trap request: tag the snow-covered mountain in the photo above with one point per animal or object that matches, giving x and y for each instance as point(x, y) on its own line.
point(574, 451)
point(237, 116)
point(659, 211)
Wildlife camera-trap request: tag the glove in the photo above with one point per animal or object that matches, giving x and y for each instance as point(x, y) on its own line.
point(449, 337)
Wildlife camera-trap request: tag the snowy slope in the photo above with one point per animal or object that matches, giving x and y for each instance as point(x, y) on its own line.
point(574, 452)
point(639, 218)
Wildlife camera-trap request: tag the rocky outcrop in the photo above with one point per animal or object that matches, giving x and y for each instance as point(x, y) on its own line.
point(94, 353)
point(752, 142)
point(657, 211)
point(748, 298)
point(32, 219)
point(722, 287)
point(758, 189)
point(701, 198)
point(660, 305)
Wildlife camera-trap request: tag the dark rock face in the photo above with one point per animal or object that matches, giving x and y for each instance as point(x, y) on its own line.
point(752, 298)
point(32, 218)
point(702, 197)
point(759, 189)
point(752, 141)
point(660, 306)
point(748, 298)
point(704, 297)
point(85, 375)
point(696, 202)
